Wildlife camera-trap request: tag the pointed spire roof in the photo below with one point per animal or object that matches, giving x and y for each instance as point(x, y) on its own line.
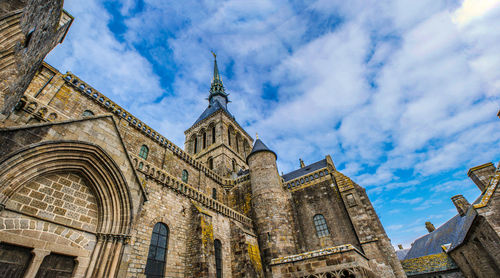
point(217, 87)
point(259, 146)
point(216, 70)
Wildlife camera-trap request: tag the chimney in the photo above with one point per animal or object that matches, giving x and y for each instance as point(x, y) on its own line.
point(400, 246)
point(430, 227)
point(302, 165)
point(481, 175)
point(461, 204)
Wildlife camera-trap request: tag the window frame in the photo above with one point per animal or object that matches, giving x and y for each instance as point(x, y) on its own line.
point(185, 176)
point(155, 242)
point(321, 226)
point(144, 152)
point(218, 258)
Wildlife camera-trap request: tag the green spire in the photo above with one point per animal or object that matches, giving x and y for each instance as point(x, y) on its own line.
point(217, 87)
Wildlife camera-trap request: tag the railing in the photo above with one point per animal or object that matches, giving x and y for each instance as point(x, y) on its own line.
point(165, 179)
point(105, 102)
point(307, 179)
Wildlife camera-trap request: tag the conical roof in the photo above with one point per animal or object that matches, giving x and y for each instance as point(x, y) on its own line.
point(259, 146)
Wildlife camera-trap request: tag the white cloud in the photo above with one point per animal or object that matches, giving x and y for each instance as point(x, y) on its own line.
point(472, 10)
point(398, 92)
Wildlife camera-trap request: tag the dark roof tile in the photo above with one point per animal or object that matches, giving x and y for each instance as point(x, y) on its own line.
point(305, 170)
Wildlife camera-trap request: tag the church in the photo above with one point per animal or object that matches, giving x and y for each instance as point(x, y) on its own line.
point(87, 189)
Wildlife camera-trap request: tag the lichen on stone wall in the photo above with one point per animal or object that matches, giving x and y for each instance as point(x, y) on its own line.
point(207, 232)
point(248, 204)
point(254, 254)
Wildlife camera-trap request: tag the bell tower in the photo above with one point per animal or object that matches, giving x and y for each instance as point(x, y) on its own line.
point(216, 138)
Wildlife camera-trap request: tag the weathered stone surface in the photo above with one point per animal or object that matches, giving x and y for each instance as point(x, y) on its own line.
point(28, 30)
point(72, 174)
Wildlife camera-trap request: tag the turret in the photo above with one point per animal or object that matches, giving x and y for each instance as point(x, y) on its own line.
point(271, 205)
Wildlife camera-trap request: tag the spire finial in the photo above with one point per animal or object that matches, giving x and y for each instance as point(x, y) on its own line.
point(215, 56)
point(256, 136)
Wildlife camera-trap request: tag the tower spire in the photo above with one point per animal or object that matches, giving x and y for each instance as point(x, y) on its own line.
point(217, 91)
point(216, 70)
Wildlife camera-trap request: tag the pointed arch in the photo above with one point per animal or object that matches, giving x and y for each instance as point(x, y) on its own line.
point(113, 197)
point(90, 161)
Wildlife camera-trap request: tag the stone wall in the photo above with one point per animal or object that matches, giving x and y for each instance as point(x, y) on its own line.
point(371, 234)
point(322, 198)
point(479, 255)
point(29, 30)
point(60, 198)
point(51, 97)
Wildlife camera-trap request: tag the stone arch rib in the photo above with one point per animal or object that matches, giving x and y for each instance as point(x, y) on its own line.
point(91, 161)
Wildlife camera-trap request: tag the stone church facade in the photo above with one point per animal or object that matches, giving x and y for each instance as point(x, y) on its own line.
point(89, 190)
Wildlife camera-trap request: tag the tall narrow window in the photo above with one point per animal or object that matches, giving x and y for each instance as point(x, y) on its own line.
point(213, 135)
point(204, 139)
point(143, 153)
point(185, 176)
point(214, 193)
point(210, 163)
point(234, 165)
point(229, 136)
point(195, 145)
point(218, 258)
point(321, 227)
point(155, 266)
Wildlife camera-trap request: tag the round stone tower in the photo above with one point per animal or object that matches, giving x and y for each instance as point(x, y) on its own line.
point(272, 213)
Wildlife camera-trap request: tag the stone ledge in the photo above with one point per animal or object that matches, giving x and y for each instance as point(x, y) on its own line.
point(316, 253)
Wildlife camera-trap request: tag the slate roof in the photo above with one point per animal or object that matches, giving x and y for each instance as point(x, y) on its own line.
point(259, 146)
point(452, 232)
point(305, 170)
point(216, 106)
point(401, 253)
point(243, 172)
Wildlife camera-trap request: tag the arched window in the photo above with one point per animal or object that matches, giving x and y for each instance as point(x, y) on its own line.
point(195, 145)
point(185, 176)
point(204, 142)
point(234, 165)
point(87, 113)
point(321, 227)
point(229, 131)
point(155, 266)
point(214, 193)
point(213, 134)
point(143, 153)
point(237, 142)
point(141, 165)
point(210, 163)
point(218, 258)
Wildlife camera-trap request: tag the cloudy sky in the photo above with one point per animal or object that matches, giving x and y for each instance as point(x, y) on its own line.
point(402, 94)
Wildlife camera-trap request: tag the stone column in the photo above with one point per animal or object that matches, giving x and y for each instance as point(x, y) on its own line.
point(116, 255)
point(95, 255)
point(38, 256)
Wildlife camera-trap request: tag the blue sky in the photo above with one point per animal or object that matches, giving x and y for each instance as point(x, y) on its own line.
point(402, 94)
